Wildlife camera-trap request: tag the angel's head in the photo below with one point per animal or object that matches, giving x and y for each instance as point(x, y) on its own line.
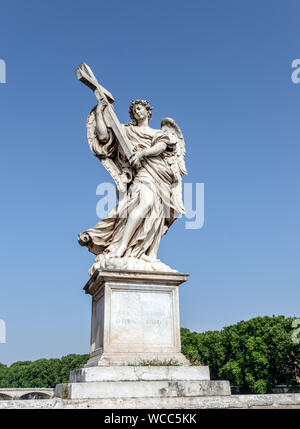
point(139, 110)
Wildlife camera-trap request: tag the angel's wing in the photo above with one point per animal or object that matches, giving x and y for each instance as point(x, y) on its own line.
point(109, 157)
point(169, 126)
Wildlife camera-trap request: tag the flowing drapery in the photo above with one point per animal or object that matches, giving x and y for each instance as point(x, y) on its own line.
point(157, 175)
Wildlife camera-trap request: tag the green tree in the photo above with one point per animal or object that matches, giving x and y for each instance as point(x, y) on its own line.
point(40, 373)
point(3, 375)
point(69, 363)
point(254, 355)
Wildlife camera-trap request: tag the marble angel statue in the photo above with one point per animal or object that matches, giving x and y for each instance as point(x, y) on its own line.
point(147, 165)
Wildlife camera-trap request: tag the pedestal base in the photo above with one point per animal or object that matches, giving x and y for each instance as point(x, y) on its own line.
point(135, 342)
point(141, 382)
point(100, 358)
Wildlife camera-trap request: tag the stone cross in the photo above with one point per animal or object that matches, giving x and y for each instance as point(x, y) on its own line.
point(86, 76)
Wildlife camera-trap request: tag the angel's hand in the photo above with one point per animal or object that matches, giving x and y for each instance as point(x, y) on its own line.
point(102, 104)
point(135, 159)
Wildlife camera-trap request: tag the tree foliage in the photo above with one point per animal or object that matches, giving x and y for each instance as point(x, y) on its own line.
point(40, 373)
point(254, 355)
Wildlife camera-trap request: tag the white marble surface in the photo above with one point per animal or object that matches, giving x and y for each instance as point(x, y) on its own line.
point(142, 389)
point(143, 373)
point(135, 318)
point(272, 401)
point(147, 166)
point(141, 318)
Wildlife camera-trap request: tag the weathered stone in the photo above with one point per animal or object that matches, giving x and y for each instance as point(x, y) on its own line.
point(147, 166)
point(25, 393)
point(143, 389)
point(135, 308)
point(141, 382)
point(140, 373)
point(272, 401)
point(135, 318)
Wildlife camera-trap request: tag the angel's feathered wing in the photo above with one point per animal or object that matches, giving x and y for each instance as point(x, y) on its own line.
point(108, 155)
point(169, 126)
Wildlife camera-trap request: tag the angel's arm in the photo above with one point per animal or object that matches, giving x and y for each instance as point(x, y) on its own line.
point(101, 127)
point(154, 150)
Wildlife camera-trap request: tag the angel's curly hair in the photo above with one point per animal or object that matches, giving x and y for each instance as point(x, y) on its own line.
point(143, 103)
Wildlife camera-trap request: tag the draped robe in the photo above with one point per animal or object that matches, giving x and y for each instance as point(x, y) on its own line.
point(157, 174)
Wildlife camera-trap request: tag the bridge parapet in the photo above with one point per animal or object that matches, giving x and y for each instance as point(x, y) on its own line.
point(7, 394)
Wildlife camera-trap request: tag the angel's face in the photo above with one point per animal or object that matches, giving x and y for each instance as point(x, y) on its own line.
point(140, 112)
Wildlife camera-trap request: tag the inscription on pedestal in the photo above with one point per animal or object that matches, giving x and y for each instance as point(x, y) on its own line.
point(147, 317)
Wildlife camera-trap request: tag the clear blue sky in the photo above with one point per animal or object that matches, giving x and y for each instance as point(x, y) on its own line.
point(222, 69)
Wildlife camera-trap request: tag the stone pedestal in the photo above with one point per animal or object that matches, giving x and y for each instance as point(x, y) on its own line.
point(135, 342)
point(141, 382)
point(135, 318)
